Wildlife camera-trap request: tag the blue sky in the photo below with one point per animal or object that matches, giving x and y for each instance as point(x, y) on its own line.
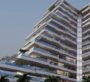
point(18, 17)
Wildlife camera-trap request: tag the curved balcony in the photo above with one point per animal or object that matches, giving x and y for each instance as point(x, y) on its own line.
point(59, 17)
point(32, 70)
point(50, 48)
point(63, 31)
point(62, 38)
point(44, 62)
point(51, 56)
point(69, 13)
point(58, 42)
point(65, 15)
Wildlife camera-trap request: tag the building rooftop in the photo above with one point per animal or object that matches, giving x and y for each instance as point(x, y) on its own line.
point(74, 4)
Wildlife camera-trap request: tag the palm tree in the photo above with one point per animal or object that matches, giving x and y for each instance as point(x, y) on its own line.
point(52, 79)
point(86, 79)
point(4, 79)
point(23, 78)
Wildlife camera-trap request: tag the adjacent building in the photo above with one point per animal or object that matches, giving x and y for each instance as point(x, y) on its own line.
point(86, 39)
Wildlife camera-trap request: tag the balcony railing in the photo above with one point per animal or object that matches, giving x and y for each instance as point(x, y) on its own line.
point(86, 62)
point(69, 13)
point(11, 76)
point(61, 37)
point(68, 22)
point(58, 24)
point(86, 55)
point(48, 63)
point(34, 68)
point(86, 70)
point(65, 15)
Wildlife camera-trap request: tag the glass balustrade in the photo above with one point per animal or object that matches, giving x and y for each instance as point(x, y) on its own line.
point(12, 74)
point(34, 68)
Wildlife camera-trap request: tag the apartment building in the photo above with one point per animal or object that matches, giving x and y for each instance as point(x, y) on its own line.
point(58, 45)
point(86, 40)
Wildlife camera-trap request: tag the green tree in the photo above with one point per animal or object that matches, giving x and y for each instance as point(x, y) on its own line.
point(4, 79)
point(52, 79)
point(23, 78)
point(86, 79)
